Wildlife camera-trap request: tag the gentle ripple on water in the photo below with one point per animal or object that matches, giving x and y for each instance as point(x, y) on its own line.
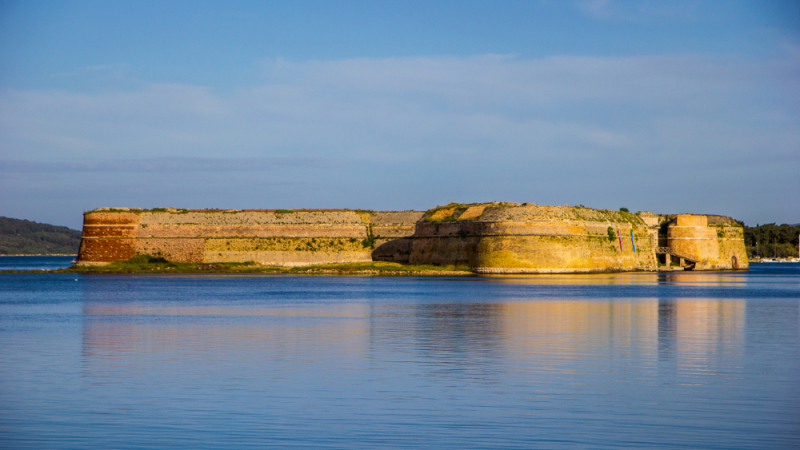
point(690, 360)
point(35, 262)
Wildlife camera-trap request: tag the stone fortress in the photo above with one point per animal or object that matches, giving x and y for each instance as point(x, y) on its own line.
point(489, 238)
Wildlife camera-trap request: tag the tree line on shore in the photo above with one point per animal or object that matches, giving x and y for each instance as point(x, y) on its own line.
point(772, 241)
point(24, 237)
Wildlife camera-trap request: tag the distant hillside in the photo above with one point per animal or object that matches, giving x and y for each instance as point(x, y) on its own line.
point(23, 237)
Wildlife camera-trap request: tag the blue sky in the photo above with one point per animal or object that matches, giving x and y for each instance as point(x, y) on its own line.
point(687, 106)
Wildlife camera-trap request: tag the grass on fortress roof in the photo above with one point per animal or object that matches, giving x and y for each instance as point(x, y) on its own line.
point(464, 212)
point(141, 264)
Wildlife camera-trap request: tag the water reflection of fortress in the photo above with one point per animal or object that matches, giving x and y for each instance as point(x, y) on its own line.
point(689, 332)
point(489, 238)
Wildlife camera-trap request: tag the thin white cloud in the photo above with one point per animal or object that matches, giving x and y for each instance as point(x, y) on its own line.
point(596, 8)
point(639, 10)
point(352, 107)
point(491, 124)
point(101, 71)
point(160, 165)
point(303, 105)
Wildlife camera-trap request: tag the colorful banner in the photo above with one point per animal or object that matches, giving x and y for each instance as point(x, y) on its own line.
point(633, 243)
point(619, 235)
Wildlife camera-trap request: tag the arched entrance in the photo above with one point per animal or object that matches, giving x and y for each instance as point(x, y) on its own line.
point(734, 262)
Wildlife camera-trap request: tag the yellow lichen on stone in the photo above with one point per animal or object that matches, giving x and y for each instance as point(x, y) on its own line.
point(283, 244)
point(442, 214)
point(472, 212)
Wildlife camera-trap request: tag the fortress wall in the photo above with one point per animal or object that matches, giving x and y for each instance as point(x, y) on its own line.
point(172, 249)
point(503, 212)
point(104, 251)
point(111, 218)
point(392, 231)
point(732, 251)
point(384, 218)
point(444, 250)
point(445, 243)
point(716, 247)
point(288, 252)
point(241, 218)
point(554, 254)
point(281, 238)
point(691, 220)
point(289, 258)
point(490, 238)
point(393, 250)
point(290, 230)
point(533, 239)
point(534, 254)
point(108, 237)
point(390, 225)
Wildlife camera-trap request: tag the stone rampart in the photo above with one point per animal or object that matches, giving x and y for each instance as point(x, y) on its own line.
point(489, 238)
point(280, 238)
point(511, 238)
point(715, 244)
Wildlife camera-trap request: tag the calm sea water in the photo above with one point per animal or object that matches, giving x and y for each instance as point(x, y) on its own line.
point(35, 262)
point(689, 360)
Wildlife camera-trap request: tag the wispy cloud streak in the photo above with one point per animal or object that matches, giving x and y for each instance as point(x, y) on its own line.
point(491, 127)
point(162, 165)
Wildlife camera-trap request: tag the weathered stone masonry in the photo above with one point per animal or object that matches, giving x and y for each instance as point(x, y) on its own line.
point(266, 237)
point(490, 238)
point(511, 238)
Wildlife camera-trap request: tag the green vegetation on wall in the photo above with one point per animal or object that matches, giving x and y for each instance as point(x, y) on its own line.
point(369, 242)
point(446, 213)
